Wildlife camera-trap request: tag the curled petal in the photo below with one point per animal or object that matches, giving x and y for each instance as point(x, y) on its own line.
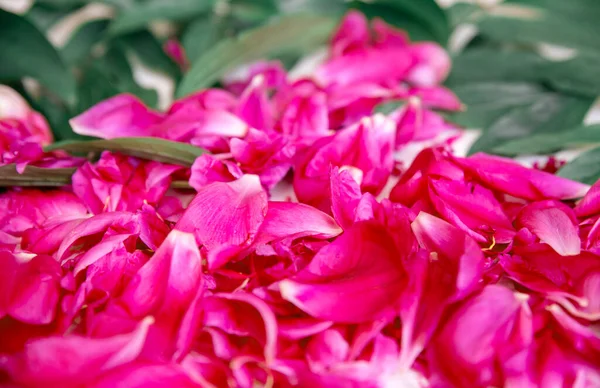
point(356, 278)
point(554, 223)
point(120, 116)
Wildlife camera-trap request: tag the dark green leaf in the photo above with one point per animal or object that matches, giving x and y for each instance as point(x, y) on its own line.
point(81, 43)
point(142, 147)
point(49, 177)
point(26, 52)
point(202, 34)
point(491, 64)
point(460, 13)
point(320, 7)
point(35, 176)
point(115, 66)
point(45, 16)
point(287, 34)
point(423, 19)
point(253, 11)
point(488, 101)
point(149, 50)
point(93, 87)
point(580, 75)
point(585, 168)
point(544, 144)
point(138, 16)
point(549, 114)
point(572, 24)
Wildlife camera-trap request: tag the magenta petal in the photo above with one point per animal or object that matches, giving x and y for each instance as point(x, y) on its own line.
point(590, 203)
point(554, 223)
point(37, 292)
point(352, 33)
point(120, 116)
point(141, 375)
point(295, 220)
point(480, 337)
point(510, 177)
point(58, 361)
point(240, 313)
point(356, 278)
point(441, 238)
point(169, 279)
point(226, 213)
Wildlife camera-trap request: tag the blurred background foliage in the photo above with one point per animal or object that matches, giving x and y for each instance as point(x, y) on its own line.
point(528, 71)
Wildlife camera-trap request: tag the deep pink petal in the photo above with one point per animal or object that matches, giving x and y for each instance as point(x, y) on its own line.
point(120, 116)
point(169, 280)
point(73, 359)
point(510, 177)
point(354, 279)
point(554, 223)
point(227, 214)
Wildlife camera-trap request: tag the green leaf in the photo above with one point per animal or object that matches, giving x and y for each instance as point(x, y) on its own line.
point(253, 11)
point(388, 107)
point(93, 87)
point(287, 34)
point(550, 113)
point(49, 177)
point(149, 50)
point(330, 7)
point(115, 66)
point(488, 101)
point(579, 75)
point(460, 13)
point(423, 19)
point(35, 176)
point(544, 144)
point(138, 16)
point(45, 16)
point(26, 52)
point(202, 34)
point(572, 24)
point(142, 147)
point(81, 43)
point(585, 168)
point(492, 64)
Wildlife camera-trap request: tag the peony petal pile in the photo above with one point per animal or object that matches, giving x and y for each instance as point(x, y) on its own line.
point(311, 252)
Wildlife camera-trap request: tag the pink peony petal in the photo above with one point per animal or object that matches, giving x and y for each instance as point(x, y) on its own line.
point(354, 279)
point(168, 281)
point(226, 214)
point(120, 116)
point(481, 337)
point(512, 178)
point(71, 360)
point(554, 223)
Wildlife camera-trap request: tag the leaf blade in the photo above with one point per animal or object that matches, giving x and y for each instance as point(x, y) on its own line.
point(151, 148)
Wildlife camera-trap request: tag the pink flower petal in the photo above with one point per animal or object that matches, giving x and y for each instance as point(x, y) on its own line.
point(554, 223)
point(120, 116)
point(227, 214)
point(354, 279)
